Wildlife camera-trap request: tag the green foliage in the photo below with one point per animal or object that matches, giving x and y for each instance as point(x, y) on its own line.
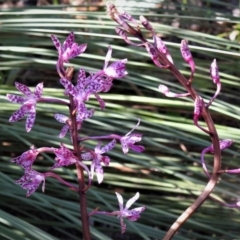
point(168, 175)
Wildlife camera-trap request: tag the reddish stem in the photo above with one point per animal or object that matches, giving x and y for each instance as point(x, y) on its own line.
point(80, 174)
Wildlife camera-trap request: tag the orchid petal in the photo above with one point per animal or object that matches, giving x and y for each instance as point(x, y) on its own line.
point(120, 201)
point(131, 201)
point(23, 89)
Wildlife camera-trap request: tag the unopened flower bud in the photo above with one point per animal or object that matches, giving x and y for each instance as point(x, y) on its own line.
point(198, 105)
point(214, 72)
point(216, 79)
point(186, 53)
point(153, 52)
point(122, 33)
point(187, 56)
point(160, 45)
point(145, 23)
point(127, 16)
point(225, 143)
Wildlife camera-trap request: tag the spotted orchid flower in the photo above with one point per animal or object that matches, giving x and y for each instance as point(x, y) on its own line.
point(28, 102)
point(82, 114)
point(69, 49)
point(31, 180)
point(131, 215)
point(116, 69)
point(124, 212)
point(86, 86)
point(129, 140)
point(27, 158)
point(65, 157)
point(97, 158)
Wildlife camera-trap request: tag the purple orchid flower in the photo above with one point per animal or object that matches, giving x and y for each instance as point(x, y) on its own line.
point(69, 49)
point(124, 212)
point(27, 158)
point(82, 115)
point(86, 86)
point(65, 157)
point(98, 158)
point(131, 215)
point(31, 181)
point(116, 69)
point(129, 140)
point(28, 104)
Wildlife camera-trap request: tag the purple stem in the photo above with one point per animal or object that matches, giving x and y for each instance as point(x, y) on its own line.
point(54, 100)
point(231, 171)
point(51, 174)
point(215, 95)
point(195, 120)
point(110, 136)
point(205, 150)
point(233, 205)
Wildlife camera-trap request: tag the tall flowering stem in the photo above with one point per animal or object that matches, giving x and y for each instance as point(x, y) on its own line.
point(87, 85)
point(80, 174)
point(161, 61)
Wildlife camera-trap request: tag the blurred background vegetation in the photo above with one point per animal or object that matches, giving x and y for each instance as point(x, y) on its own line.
point(168, 174)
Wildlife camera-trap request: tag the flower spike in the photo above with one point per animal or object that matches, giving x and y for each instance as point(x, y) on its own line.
point(29, 102)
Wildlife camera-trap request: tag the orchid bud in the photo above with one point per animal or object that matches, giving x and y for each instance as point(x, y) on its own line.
point(225, 143)
point(127, 16)
point(161, 47)
point(222, 144)
point(216, 79)
point(152, 51)
point(186, 53)
point(214, 72)
point(198, 105)
point(187, 56)
point(122, 33)
point(145, 23)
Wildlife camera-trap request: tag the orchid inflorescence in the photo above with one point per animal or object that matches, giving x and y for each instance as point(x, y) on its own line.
point(128, 27)
point(86, 86)
point(102, 81)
